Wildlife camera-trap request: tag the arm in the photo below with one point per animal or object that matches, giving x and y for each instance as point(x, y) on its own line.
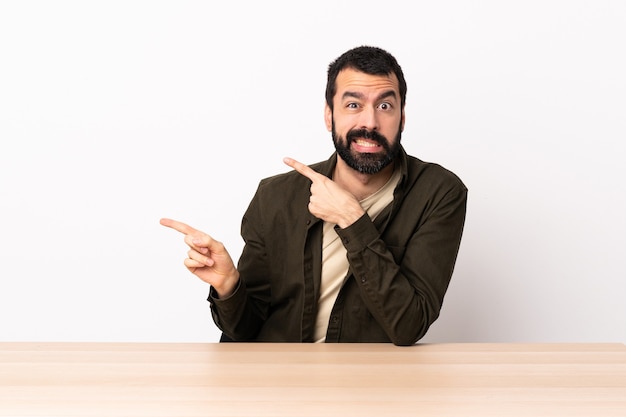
point(404, 285)
point(231, 307)
point(242, 315)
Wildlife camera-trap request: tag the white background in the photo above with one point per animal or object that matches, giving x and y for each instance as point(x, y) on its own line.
point(116, 113)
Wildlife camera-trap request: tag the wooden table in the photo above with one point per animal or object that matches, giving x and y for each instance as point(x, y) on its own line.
point(233, 379)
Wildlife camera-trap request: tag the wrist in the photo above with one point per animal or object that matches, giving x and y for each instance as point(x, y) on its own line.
point(350, 216)
point(228, 286)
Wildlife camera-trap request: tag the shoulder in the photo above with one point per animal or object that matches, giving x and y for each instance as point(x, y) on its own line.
point(431, 177)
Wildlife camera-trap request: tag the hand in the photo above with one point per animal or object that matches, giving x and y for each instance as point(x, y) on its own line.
point(207, 258)
point(328, 201)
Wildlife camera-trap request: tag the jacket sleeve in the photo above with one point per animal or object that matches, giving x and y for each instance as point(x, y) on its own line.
point(403, 287)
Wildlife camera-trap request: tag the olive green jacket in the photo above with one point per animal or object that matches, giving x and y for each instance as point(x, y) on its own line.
point(400, 264)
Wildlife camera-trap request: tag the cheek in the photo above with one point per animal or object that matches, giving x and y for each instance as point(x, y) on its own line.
point(393, 128)
point(344, 124)
point(342, 131)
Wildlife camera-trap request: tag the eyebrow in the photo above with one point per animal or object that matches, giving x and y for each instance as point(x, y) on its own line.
point(353, 94)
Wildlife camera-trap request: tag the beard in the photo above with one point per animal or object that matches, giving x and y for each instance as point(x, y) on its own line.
point(366, 163)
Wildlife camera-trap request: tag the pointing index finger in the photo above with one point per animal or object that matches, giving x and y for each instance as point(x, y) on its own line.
point(178, 226)
point(301, 168)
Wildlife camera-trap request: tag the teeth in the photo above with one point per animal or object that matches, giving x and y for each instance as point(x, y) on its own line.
point(364, 143)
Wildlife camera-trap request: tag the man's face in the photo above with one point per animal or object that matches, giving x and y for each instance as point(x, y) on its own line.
point(367, 120)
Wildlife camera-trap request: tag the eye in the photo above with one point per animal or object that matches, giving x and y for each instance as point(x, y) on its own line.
point(352, 105)
point(385, 106)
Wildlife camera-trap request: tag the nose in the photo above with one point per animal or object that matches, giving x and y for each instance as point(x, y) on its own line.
point(369, 118)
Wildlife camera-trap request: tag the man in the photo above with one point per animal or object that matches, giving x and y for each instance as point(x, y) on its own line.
point(358, 248)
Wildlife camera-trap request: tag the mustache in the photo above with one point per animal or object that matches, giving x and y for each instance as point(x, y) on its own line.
point(367, 134)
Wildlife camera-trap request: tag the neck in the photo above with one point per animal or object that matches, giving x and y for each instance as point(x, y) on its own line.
point(358, 184)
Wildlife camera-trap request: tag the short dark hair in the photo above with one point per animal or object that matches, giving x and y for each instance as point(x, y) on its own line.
point(370, 60)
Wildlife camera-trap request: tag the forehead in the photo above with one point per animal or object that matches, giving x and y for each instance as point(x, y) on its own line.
point(351, 80)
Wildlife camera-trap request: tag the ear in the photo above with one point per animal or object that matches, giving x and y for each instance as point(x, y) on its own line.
point(402, 122)
point(328, 118)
